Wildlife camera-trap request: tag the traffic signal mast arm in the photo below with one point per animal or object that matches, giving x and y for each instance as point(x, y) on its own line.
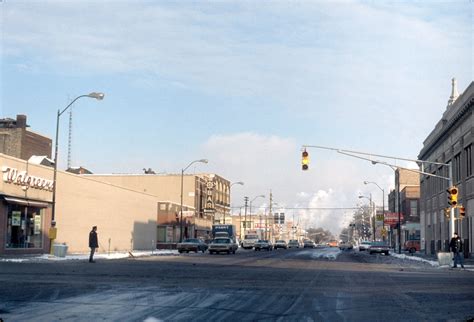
point(421, 163)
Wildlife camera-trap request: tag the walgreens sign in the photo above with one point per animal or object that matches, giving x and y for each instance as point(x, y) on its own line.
point(22, 178)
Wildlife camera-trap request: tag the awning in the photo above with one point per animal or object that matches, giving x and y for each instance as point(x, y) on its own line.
point(26, 202)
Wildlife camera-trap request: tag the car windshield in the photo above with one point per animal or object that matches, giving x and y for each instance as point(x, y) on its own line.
point(251, 237)
point(280, 241)
point(222, 241)
point(191, 240)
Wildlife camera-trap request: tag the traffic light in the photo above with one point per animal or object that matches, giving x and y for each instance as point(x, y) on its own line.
point(282, 218)
point(305, 160)
point(462, 212)
point(453, 196)
point(447, 212)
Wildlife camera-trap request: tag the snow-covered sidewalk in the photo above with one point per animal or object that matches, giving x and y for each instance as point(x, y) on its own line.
point(430, 262)
point(83, 256)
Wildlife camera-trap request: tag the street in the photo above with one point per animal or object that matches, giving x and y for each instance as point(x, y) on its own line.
point(280, 285)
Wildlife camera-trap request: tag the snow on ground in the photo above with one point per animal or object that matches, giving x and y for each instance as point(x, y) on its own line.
point(82, 256)
point(327, 253)
point(415, 258)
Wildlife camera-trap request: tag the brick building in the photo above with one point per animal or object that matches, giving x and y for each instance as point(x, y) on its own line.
point(18, 141)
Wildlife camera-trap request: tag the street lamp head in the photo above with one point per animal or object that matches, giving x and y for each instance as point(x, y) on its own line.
point(239, 182)
point(97, 96)
point(203, 161)
point(366, 182)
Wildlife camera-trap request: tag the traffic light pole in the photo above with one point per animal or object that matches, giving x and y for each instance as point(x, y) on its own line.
point(451, 215)
point(357, 154)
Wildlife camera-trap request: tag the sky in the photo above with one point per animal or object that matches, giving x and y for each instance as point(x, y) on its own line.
point(243, 84)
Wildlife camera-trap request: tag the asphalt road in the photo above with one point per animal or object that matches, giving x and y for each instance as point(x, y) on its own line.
point(283, 285)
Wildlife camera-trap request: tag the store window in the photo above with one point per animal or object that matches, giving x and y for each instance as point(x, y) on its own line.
point(24, 227)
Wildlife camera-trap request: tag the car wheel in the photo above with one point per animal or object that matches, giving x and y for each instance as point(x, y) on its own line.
point(412, 250)
point(180, 251)
point(196, 251)
point(228, 252)
point(233, 252)
point(386, 253)
point(371, 253)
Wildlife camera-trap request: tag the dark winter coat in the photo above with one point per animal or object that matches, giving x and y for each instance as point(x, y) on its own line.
point(93, 243)
point(456, 245)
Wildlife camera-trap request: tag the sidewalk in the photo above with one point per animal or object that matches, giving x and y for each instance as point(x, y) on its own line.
point(432, 259)
point(85, 256)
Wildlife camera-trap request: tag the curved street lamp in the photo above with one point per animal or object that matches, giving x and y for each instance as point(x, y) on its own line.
point(181, 208)
point(383, 203)
point(373, 212)
point(239, 183)
point(97, 96)
point(250, 208)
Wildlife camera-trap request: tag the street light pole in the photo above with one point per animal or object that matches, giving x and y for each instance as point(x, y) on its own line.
point(239, 183)
point(181, 207)
point(383, 204)
point(372, 205)
point(97, 96)
point(261, 196)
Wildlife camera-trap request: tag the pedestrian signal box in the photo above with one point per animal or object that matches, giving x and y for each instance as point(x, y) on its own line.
point(462, 212)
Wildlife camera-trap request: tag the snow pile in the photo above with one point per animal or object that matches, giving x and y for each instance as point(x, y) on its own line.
point(415, 258)
point(82, 256)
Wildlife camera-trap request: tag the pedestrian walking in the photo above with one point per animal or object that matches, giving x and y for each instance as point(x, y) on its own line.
point(93, 243)
point(456, 246)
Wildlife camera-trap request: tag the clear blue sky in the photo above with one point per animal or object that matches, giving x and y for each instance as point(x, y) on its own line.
point(242, 83)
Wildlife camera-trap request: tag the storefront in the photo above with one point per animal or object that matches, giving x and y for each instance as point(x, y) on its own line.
point(25, 207)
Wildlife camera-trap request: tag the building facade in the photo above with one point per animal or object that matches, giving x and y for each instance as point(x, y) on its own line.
point(18, 141)
point(405, 197)
point(206, 200)
point(450, 142)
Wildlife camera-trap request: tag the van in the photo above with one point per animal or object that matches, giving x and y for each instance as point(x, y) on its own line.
point(412, 246)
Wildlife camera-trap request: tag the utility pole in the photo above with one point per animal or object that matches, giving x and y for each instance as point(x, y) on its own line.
point(246, 199)
point(270, 214)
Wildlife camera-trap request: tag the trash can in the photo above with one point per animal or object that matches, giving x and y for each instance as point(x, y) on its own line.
point(60, 250)
point(444, 258)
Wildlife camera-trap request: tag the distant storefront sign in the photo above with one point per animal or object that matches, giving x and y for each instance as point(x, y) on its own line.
point(391, 218)
point(209, 206)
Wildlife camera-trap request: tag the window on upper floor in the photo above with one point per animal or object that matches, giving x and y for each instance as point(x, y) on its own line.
point(414, 208)
point(468, 152)
point(457, 168)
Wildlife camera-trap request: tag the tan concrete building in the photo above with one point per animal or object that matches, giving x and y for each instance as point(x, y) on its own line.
point(128, 209)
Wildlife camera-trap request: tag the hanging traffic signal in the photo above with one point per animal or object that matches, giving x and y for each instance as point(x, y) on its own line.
point(447, 212)
point(462, 212)
point(305, 160)
point(453, 196)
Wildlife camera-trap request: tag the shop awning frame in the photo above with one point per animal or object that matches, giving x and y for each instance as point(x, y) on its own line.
point(26, 202)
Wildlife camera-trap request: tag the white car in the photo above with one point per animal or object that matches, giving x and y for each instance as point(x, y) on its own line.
point(222, 245)
point(364, 245)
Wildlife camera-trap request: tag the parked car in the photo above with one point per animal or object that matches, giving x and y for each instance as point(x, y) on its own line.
point(223, 245)
point(364, 245)
point(412, 246)
point(280, 244)
point(346, 246)
point(192, 245)
point(379, 247)
point(293, 243)
point(263, 244)
point(309, 244)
